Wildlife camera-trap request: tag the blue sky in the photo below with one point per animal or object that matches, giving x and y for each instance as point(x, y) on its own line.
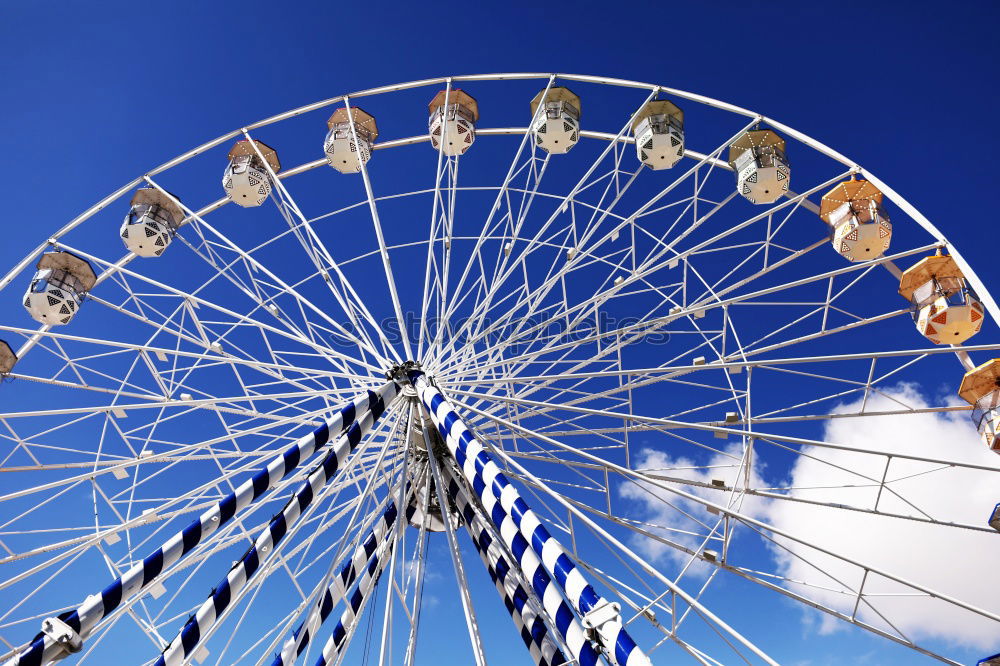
point(95, 94)
point(898, 87)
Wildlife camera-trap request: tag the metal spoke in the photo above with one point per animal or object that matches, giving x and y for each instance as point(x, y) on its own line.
point(662, 369)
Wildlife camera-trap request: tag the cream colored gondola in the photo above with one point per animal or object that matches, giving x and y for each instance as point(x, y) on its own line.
point(860, 228)
point(945, 309)
point(981, 388)
point(151, 222)
point(452, 121)
point(57, 289)
point(246, 181)
point(658, 129)
point(762, 170)
point(557, 128)
point(347, 150)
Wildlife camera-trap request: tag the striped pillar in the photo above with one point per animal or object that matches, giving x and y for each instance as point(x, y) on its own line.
point(96, 607)
point(342, 633)
point(378, 536)
point(190, 636)
point(521, 606)
point(521, 528)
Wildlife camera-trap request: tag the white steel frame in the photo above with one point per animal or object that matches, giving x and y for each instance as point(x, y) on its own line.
point(529, 391)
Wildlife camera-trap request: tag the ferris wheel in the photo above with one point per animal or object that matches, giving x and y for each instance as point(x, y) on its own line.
point(593, 367)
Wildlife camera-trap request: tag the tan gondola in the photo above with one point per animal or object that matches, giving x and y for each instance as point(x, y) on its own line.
point(58, 287)
point(7, 358)
point(658, 129)
point(557, 128)
point(347, 150)
point(944, 307)
point(452, 121)
point(247, 182)
point(860, 227)
point(762, 171)
point(981, 388)
point(151, 222)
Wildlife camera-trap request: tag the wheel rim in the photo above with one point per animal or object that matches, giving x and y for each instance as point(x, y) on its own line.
point(252, 345)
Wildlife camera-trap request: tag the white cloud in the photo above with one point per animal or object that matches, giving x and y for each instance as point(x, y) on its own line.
point(411, 567)
point(684, 521)
point(956, 562)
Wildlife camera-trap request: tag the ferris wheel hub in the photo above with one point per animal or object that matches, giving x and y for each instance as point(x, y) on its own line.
point(401, 371)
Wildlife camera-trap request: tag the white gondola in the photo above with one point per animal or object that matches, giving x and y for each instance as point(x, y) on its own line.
point(7, 358)
point(246, 180)
point(761, 166)
point(452, 121)
point(151, 222)
point(945, 309)
point(659, 134)
point(343, 152)
point(981, 389)
point(58, 287)
point(859, 226)
point(557, 127)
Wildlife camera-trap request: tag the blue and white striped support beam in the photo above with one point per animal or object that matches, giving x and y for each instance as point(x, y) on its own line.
point(343, 632)
point(378, 536)
point(521, 529)
point(189, 638)
point(85, 618)
point(520, 604)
